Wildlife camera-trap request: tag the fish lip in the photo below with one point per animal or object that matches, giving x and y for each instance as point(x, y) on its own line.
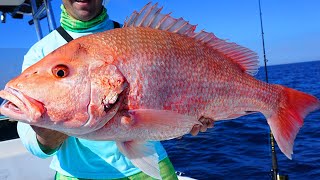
point(19, 106)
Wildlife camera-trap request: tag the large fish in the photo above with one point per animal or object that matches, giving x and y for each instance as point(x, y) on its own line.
point(153, 79)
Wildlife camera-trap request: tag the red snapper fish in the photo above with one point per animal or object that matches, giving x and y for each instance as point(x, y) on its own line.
point(153, 79)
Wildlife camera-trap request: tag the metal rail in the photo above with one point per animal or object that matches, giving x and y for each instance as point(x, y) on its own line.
point(37, 15)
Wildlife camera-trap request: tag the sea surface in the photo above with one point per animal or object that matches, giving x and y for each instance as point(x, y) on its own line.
point(240, 148)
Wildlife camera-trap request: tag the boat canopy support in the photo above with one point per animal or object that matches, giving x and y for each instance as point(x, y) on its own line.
point(38, 9)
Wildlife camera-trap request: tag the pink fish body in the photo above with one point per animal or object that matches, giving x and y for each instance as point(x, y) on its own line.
point(151, 80)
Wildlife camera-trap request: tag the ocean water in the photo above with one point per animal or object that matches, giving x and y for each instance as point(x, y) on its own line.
point(240, 148)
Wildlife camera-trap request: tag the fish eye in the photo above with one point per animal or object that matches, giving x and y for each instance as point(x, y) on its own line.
point(60, 71)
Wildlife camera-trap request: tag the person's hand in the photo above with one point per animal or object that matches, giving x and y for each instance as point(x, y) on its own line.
point(49, 138)
point(206, 123)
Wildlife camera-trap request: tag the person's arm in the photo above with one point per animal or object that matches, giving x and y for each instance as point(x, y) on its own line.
point(49, 140)
point(29, 139)
point(33, 55)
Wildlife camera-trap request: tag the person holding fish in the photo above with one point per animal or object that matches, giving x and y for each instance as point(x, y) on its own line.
point(113, 95)
point(73, 157)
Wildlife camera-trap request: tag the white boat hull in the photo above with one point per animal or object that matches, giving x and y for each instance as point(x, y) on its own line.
point(16, 163)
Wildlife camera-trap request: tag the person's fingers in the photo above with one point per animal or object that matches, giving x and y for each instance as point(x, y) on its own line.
point(206, 123)
point(211, 123)
point(204, 128)
point(195, 130)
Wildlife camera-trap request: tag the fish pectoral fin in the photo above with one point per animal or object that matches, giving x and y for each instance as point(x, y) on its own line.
point(143, 155)
point(168, 124)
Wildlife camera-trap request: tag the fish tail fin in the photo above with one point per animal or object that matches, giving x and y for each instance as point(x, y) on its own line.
point(287, 119)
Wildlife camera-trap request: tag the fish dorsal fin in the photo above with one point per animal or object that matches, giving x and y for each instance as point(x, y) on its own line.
point(150, 16)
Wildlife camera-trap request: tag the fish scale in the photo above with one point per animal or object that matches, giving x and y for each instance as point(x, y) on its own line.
point(174, 64)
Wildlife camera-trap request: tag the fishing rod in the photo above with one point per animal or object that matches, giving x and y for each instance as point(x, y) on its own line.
point(274, 171)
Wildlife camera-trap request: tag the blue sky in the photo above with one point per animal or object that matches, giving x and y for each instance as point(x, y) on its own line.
point(292, 28)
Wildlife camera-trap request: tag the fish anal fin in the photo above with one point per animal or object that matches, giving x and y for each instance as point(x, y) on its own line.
point(143, 155)
point(150, 16)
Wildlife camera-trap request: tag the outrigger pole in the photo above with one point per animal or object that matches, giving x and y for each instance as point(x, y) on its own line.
point(274, 171)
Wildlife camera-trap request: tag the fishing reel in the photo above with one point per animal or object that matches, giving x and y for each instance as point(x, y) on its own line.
point(275, 175)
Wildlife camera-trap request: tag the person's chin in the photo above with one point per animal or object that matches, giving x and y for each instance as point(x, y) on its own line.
point(84, 16)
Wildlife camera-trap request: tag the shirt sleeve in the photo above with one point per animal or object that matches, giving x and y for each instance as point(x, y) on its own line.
point(33, 55)
point(30, 142)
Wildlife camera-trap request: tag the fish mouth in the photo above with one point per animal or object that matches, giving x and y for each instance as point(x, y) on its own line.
point(19, 106)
